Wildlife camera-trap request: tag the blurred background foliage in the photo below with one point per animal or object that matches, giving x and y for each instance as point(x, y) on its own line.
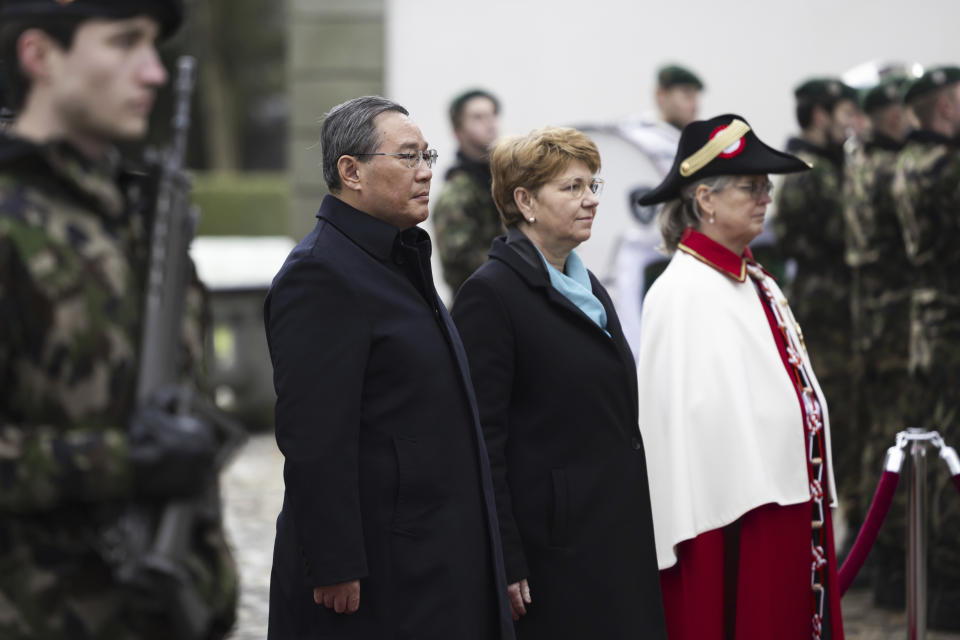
point(240, 111)
point(244, 204)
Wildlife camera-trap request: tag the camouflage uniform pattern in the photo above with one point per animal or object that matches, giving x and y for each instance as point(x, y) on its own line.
point(926, 189)
point(881, 287)
point(72, 258)
point(465, 222)
point(809, 227)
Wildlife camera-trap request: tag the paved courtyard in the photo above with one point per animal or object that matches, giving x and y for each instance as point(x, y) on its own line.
point(253, 492)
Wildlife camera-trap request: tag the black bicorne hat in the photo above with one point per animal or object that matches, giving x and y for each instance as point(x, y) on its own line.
point(721, 146)
point(169, 13)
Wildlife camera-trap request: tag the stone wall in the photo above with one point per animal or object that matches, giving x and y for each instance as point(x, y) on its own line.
point(335, 52)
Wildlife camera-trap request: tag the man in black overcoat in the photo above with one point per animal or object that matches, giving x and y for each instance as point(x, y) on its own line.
point(388, 527)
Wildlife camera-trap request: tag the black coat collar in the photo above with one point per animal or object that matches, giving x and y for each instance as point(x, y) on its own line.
point(519, 253)
point(376, 237)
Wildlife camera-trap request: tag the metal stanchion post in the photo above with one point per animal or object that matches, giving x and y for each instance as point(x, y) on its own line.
point(916, 538)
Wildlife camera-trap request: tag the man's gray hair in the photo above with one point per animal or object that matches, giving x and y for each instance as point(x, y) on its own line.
point(676, 215)
point(348, 130)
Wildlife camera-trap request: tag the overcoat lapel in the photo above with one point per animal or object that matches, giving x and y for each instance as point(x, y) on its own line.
point(537, 278)
point(493, 524)
point(535, 275)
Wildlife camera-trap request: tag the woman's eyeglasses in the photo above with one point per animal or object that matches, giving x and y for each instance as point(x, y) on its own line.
point(757, 190)
point(578, 187)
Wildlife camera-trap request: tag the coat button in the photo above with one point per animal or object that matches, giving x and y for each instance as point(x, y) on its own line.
point(636, 444)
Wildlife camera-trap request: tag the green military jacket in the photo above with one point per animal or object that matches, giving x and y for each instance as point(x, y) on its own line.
point(882, 275)
point(465, 221)
point(809, 226)
point(72, 263)
point(926, 189)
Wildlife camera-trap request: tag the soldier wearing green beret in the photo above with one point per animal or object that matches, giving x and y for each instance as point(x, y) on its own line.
point(465, 218)
point(678, 100)
point(809, 228)
point(75, 453)
point(926, 189)
point(880, 296)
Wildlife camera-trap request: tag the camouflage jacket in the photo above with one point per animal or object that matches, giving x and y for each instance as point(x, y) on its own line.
point(465, 220)
point(809, 228)
point(72, 263)
point(927, 192)
point(882, 275)
point(926, 189)
point(69, 320)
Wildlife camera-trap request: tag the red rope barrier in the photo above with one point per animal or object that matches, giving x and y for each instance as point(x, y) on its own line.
point(871, 527)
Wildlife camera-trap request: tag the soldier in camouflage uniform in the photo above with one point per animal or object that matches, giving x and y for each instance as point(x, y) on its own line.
point(465, 219)
point(880, 297)
point(809, 228)
point(927, 194)
point(75, 452)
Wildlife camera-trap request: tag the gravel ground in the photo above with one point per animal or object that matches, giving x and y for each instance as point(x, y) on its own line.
point(253, 493)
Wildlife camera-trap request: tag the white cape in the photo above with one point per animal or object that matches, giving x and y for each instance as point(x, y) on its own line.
point(721, 421)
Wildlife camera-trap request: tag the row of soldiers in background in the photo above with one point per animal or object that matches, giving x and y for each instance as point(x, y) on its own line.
point(873, 231)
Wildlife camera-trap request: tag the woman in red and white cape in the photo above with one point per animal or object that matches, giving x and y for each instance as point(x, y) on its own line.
point(735, 426)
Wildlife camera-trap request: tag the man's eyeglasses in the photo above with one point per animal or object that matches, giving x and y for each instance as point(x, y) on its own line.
point(757, 190)
point(578, 187)
point(413, 158)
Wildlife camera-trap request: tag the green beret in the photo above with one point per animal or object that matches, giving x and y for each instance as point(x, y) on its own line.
point(884, 94)
point(932, 80)
point(825, 91)
point(169, 13)
point(675, 75)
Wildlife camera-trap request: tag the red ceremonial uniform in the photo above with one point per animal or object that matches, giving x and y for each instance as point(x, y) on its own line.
point(772, 573)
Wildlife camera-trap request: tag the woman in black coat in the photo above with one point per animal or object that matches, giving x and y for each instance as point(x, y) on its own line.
point(557, 391)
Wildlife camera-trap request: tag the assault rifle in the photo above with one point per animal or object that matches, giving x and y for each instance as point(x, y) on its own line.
point(150, 550)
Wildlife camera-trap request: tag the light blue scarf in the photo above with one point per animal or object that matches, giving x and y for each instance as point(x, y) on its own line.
point(575, 286)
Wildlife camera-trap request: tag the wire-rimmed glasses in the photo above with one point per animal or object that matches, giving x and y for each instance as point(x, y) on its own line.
point(577, 187)
point(413, 158)
point(757, 190)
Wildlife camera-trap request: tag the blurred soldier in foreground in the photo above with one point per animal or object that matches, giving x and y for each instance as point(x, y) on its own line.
point(927, 194)
point(77, 454)
point(638, 260)
point(880, 297)
point(809, 228)
point(465, 219)
point(678, 100)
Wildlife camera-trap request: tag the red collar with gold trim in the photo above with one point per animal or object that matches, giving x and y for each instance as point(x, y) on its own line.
point(716, 255)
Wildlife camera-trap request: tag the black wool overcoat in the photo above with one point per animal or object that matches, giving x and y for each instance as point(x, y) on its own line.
point(386, 475)
point(558, 406)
